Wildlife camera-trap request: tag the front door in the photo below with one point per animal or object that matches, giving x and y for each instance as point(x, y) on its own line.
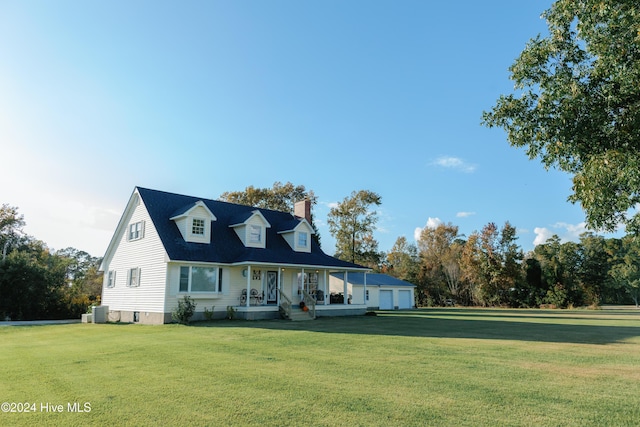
point(272, 287)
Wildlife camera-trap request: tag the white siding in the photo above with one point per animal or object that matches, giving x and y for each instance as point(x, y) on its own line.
point(203, 300)
point(374, 296)
point(148, 254)
point(182, 226)
point(289, 238)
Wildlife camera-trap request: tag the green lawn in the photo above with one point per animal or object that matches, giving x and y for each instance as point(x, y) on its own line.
point(423, 367)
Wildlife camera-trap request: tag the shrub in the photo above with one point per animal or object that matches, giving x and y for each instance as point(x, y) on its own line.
point(556, 296)
point(185, 310)
point(231, 312)
point(208, 314)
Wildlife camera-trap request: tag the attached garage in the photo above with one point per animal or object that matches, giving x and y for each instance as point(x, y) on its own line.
point(377, 291)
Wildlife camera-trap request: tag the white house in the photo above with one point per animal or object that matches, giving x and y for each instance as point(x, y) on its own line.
point(376, 291)
point(258, 263)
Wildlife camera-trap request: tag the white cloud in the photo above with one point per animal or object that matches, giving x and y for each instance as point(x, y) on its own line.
point(542, 235)
point(454, 163)
point(566, 232)
point(572, 232)
point(464, 214)
point(431, 223)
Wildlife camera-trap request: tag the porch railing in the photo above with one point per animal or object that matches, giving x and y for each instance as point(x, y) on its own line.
point(310, 302)
point(285, 303)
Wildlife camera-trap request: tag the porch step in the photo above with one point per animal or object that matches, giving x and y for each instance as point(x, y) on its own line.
point(298, 315)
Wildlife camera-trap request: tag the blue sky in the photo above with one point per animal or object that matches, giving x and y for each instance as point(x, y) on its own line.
point(203, 97)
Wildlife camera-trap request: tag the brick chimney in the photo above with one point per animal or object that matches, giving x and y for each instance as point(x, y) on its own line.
point(302, 209)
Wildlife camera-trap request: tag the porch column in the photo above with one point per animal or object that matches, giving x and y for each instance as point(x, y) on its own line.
point(247, 303)
point(279, 287)
point(301, 295)
point(324, 284)
point(365, 290)
point(346, 288)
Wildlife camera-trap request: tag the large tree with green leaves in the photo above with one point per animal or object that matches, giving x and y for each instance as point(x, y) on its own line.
point(11, 223)
point(576, 105)
point(402, 260)
point(440, 251)
point(281, 197)
point(491, 265)
point(352, 223)
point(625, 268)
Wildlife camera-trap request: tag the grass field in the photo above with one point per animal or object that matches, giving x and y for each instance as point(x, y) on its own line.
point(436, 367)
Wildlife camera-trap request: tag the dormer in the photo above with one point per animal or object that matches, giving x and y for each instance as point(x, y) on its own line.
point(297, 234)
point(252, 230)
point(194, 222)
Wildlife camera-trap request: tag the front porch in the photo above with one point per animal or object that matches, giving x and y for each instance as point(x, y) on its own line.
point(264, 312)
point(271, 292)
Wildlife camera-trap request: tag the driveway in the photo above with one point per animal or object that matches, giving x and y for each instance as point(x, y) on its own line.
point(39, 322)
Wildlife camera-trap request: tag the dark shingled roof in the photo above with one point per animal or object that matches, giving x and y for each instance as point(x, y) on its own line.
point(226, 247)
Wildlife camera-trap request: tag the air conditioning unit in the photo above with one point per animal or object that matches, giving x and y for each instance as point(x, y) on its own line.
point(100, 313)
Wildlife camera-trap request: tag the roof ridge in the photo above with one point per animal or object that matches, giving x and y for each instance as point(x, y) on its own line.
point(204, 199)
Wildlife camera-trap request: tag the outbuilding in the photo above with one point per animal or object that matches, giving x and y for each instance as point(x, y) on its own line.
point(378, 291)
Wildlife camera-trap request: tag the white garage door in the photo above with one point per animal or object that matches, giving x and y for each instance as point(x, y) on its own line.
point(386, 300)
point(404, 299)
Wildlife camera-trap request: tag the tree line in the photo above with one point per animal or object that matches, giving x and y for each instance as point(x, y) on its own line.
point(38, 283)
point(489, 268)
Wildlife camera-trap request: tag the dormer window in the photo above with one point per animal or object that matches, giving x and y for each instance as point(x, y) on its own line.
point(251, 228)
point(194, 222)
point(303, 237)
point(255, 234)
point(197, 227)
point(298, 235)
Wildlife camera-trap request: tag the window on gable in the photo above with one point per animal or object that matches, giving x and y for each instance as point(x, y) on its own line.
point(200, 279)
point(133, 279)
point(136, 231)
point(111, 279)
point(303, 237)
point(255, 234)
point(197, 227)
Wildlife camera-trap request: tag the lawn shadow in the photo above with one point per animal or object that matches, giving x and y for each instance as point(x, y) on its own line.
point(494, 325)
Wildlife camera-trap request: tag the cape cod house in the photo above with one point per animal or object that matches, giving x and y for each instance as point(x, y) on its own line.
point(256, 263)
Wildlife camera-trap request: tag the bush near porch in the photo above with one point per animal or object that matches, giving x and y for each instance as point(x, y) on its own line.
point(421, 367)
